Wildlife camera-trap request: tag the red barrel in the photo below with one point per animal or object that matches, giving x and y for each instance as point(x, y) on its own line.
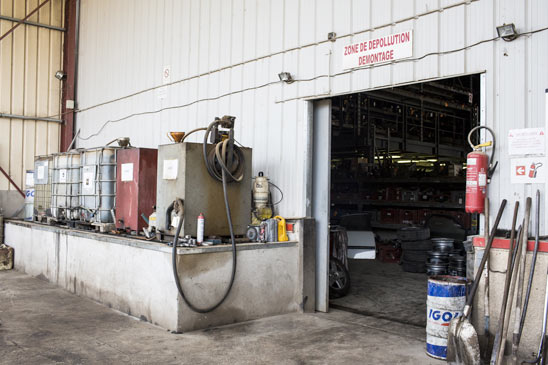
point(477, 164)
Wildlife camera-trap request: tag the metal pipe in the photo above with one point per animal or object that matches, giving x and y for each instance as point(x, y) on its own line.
point(520, 282)
point(73, 140)
point(539, 359)
point(532, 269)
point(70, 65)
point(76, 52)
point(193, 131)
point(12, 182)
point(26, 22)
point(509, 266)
point(22, 20)
point(510, 298)
point(24, 117)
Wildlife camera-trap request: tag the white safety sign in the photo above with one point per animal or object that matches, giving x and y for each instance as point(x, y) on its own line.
point(527, 141)
point(88, 180)
point(528, 170)
point(62, 175)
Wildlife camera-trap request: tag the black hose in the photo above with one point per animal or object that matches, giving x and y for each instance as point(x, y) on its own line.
point(492, 135)
point(492, 164)
point(211, 167)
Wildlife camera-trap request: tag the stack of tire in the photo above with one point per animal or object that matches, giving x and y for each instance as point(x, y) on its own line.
point(415, 245)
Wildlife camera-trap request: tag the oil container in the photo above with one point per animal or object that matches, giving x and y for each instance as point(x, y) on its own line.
point(182, 174)
point(42, 185)
point(98, 184)
point(65, 196)
point(135, 186)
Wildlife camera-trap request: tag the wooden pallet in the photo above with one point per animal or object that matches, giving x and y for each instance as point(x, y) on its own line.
point(104, 227)
point(45, 219)
point(52, 221)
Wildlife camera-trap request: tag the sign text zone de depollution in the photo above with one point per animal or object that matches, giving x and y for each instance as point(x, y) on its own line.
point(383, 49)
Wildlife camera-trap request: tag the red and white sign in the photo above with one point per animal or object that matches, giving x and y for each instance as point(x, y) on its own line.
point(378, 50)
point(526, 141)
point(528, 170)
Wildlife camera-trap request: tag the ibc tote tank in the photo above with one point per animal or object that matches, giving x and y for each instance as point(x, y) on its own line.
point(42, 185)
point(98, 184)
point(65, 200)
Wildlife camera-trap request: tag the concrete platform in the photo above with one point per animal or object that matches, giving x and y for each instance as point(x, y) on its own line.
point(136, 276)
point(43, 324)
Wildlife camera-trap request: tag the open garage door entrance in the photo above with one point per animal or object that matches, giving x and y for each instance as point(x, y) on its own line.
point(384, 160)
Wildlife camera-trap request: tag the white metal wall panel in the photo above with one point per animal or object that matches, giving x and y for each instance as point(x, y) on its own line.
point(29, 58)
point(124, 45)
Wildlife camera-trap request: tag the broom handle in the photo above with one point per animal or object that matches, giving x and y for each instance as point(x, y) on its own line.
point(474, 289)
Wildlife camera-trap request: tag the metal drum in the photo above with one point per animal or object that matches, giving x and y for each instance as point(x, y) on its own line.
point(445, 301)
point(65, 200)
point(98, 184)
point(42, 185)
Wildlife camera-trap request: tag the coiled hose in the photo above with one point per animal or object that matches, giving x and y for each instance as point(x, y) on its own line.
point(216, 163)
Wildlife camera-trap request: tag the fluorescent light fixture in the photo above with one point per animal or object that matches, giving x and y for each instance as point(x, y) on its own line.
point(507, 32)
point(403, 161)
point(432, 160)
point(60, 75)
point(285, 77)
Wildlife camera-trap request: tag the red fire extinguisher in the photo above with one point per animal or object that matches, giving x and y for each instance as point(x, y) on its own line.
point(533, 169)
point(479, 170)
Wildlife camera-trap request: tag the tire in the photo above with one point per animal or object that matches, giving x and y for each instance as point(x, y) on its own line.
point(415, 256)
point(413, 234)
point(339, 279)
point(415, 267)
point(421, 245)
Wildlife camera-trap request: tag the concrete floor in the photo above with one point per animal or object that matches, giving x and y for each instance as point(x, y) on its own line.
point(384, 290)
point(43, 324)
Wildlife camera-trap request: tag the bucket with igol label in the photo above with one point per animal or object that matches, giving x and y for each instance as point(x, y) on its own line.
point(445, 301)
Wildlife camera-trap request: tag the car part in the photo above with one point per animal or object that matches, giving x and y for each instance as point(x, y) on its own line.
point(253, 233)
point(415, 267)
point(417, 256)
point(443, 244)
point(420, 245)
point(339, 279)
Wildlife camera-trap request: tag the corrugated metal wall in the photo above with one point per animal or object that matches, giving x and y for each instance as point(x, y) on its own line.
point(229, 54)
point(29, 58)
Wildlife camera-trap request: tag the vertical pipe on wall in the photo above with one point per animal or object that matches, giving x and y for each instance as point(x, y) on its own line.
point(70, 63)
